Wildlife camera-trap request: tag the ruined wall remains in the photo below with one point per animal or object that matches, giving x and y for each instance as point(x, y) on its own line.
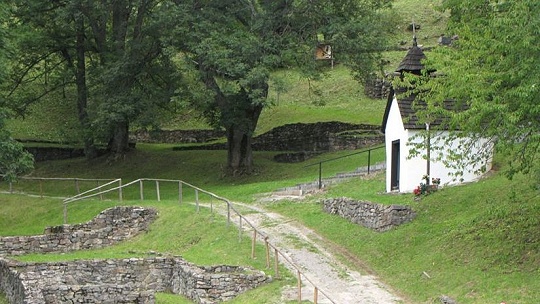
point(374, 216)
point(109, 227)
point(133, 280)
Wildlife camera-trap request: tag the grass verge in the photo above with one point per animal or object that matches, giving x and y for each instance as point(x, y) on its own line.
point(478, 243)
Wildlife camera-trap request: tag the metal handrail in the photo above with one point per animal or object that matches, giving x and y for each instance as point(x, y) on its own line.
point(230, 207)
point(343, 156)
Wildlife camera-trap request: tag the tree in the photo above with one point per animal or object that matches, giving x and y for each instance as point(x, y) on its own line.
point(110, 51)
point(492, 71)
point(234, 45)
point(14, 160)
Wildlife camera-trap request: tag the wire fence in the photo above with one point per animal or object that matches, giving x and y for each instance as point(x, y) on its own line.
point(159, 188)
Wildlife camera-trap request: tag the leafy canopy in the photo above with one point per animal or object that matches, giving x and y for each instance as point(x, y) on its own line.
point(14, 161)
point(492, 70)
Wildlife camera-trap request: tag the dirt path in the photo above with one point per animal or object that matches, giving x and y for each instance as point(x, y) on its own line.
point(319, 263)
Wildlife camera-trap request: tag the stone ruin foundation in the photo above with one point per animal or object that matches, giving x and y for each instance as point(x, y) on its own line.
point(133, 280)
point(377, 217)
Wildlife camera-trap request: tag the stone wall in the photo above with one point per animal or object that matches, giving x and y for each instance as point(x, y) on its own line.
point(309, 138)
point(176, 136)
point(133, 280)
point(54, 153)
point(109, 227)
point(377, 88)
point(322, 136)
point(374, 216)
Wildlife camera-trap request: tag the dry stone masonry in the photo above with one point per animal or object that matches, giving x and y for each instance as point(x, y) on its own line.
point(374, 216)
point(133, 280)
point(109, 227)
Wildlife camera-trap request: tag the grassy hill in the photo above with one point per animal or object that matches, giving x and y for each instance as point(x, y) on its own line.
point(477, 243)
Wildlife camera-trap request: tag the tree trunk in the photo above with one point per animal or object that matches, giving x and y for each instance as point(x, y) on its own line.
point(119, 142)
point(82, 91)
point(239, 140)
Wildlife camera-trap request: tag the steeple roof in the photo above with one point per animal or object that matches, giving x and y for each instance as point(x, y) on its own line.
point(412, 62)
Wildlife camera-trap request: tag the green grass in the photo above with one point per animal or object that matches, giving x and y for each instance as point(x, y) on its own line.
point(200, 168)
point(478, 243)
point(203, 238)
point(337, 96)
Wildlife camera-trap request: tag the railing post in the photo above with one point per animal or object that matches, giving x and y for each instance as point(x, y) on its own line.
point(180, 192)
point(239, 228)
point(320, 175)
point(120, 196)
point(197, 199)
point(77, 188)
point(141, 189)
point(253, 244)
point(65, 213)
point(40, 188)
point(276, 263)
point(157, 191)
point(299, 285)
point(228, 213)
point(267, 252)
point(100, 194)
point(368, 160)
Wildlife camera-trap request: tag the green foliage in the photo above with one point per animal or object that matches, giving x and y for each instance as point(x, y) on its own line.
point(235, 46)
point(107, 59)
point(492, 72)
point(14, 160)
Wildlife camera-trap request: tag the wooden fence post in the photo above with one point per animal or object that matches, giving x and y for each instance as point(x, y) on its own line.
point(368, 161)
point(228, 213)
point(40, 188)
point(157, 191)
point(239, 228)
point(253, 244)
point(120, 196)
point(77, 187)
point(299, 285)
point(267, 252)
point(180, 192)
point(141, 189)
point(100, 194)
point(65, 213)
point(197, 199)
point(10, 187)
point(276, 262)
point(315, 295)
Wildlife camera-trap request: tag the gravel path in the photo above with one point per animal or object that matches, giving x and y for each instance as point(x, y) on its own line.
point(306, 249)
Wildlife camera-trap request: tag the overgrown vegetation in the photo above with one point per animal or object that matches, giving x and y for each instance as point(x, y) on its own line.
point(477, 243)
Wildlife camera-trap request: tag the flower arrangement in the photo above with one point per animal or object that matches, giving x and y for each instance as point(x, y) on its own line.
point(426, 188)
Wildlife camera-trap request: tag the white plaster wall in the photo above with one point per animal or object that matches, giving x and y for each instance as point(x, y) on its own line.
point(394, 131)
point(413, 169)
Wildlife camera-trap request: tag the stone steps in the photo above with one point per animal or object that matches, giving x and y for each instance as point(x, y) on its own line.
point(311, 187)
